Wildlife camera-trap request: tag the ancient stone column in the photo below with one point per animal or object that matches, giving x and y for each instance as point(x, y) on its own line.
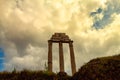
point(50, 56)
point(61, 57)
point(61, 38)
point(73, 65)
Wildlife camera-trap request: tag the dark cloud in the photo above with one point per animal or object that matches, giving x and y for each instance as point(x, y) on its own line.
point(19, 3)
point(99, 10)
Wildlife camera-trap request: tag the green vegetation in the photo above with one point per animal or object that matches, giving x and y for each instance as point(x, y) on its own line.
point(33, 75)
point(27, 75)
point(105, 68)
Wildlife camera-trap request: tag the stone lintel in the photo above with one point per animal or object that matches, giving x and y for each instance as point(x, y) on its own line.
point(57, 41)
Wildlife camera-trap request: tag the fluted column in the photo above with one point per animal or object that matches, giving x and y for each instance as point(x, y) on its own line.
point(73, 65)
point(61, 57)
point(50, 56)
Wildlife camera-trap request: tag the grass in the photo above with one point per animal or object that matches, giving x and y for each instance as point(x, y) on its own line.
point(33, 75)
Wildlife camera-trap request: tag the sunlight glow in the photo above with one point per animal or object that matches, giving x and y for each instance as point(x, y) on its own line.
point(103, 1)
point(69, 1)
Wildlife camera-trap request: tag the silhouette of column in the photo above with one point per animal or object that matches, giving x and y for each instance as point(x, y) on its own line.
point(61, 57)
point(50, 56)
point(73, 65)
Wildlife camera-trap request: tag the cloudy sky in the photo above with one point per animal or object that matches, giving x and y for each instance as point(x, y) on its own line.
point(26, 25)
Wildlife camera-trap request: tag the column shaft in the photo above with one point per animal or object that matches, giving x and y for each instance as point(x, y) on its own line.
point(73, 65)
point(50, 56)
point(61, 57)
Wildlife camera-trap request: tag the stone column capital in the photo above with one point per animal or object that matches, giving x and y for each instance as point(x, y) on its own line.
point(49, 41)
point(71, 43)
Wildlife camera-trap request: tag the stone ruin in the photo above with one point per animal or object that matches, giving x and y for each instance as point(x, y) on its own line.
point(61, 38)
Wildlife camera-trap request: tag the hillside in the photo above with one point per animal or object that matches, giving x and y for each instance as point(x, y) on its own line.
point(105, 68)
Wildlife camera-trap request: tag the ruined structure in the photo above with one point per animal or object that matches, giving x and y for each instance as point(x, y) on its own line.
point(61, 38)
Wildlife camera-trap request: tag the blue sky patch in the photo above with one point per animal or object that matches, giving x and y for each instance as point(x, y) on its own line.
point(1, 59)
point(113, 7)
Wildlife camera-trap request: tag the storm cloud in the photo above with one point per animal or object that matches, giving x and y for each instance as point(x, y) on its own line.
point(26, 25)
